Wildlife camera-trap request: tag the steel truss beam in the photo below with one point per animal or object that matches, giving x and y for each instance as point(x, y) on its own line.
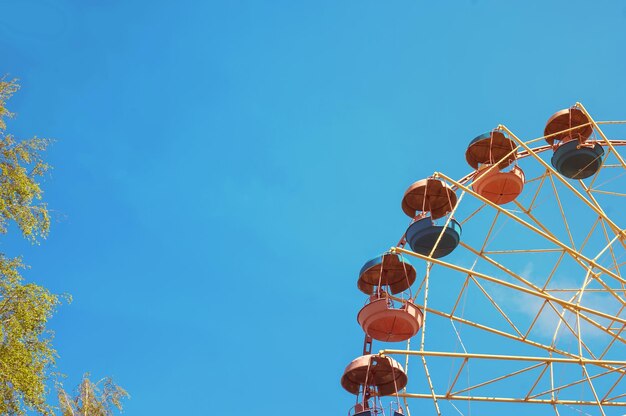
point(592, 268)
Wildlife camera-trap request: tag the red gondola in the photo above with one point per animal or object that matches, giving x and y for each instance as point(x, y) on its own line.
point(380, 318)
point(497, 178)
point(384, 375)
point(391, 271)
point(384, 322)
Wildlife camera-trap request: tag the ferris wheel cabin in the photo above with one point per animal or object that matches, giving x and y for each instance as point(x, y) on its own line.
point(498, 178)
point(382, 374)
point(573, 157)
point(389, 270)
point(380, 318)
point(383, 322)
point(434, 197)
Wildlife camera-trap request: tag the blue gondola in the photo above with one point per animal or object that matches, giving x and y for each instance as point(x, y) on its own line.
point(423, 234)
point(577, 163)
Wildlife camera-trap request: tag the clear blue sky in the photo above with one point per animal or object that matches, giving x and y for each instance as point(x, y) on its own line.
point(223, 169)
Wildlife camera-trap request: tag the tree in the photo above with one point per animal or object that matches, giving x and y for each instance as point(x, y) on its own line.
point(26, 352)
point(21, 165)
point(92, 399)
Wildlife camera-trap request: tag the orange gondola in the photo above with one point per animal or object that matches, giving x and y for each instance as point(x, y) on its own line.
point(429, 195)
point(380, 318)
point(384, 322)
point(497, 178)
point(391, 271)
point(497, 186)
point(384, 375)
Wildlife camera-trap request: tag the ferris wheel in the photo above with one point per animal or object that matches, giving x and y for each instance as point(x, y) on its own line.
point(505, 291)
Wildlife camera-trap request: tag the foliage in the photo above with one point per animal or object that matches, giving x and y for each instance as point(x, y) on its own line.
point(92, 399)
point(21, 164)
point(26, 353)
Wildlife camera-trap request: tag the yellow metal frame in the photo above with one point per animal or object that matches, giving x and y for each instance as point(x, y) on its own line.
point(563, 302)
